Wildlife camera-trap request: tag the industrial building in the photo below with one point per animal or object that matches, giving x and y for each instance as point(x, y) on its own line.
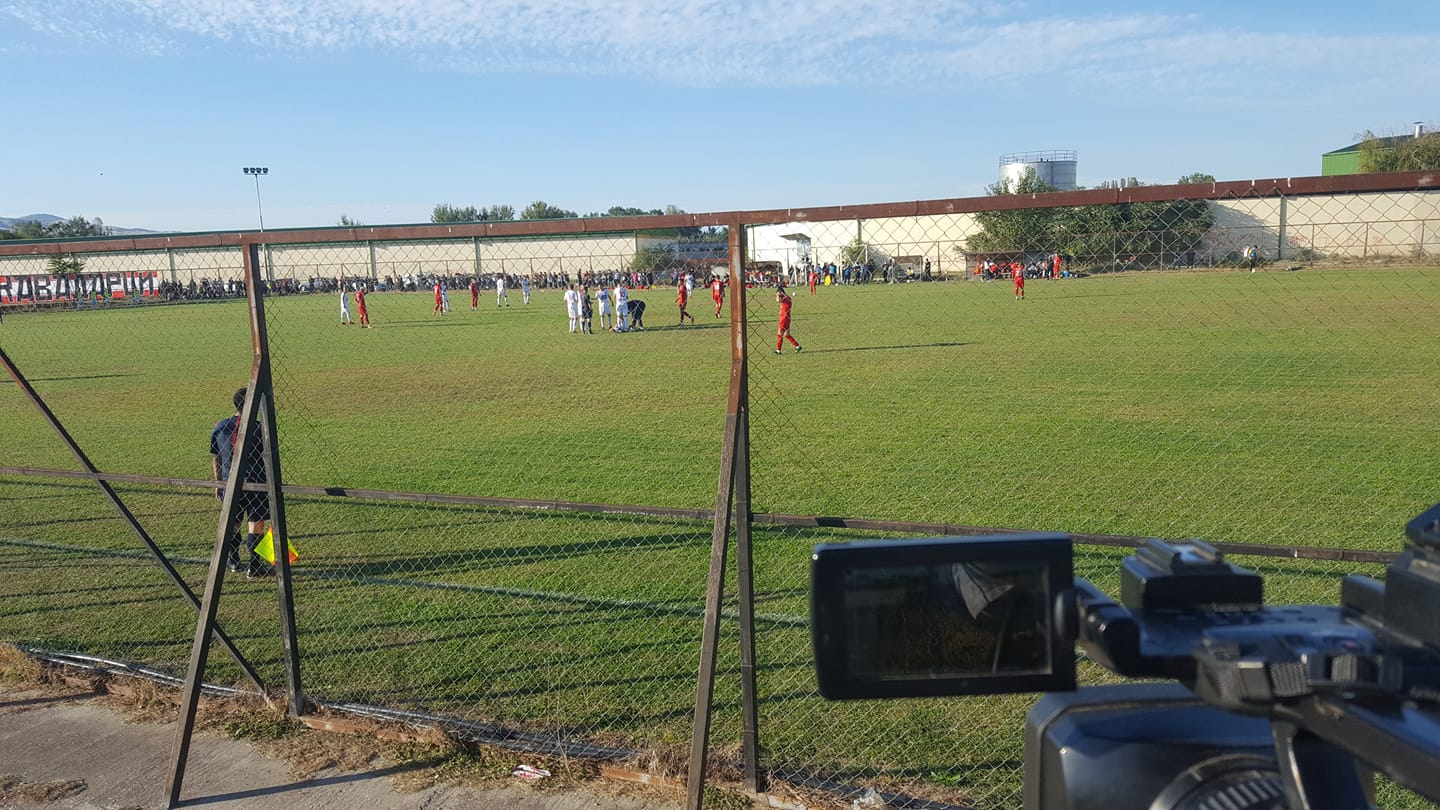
point(1347, 159)
point(1053, 167)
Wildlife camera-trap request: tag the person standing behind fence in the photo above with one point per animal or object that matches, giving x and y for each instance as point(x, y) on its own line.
point(500, 293)
point(474, 295)
point(622, 306)
point(782, 330)
point(255, 506)
point(439, 301)
point(360, 307)
point(1017, 272)
point(602, 299)
point(682, 297)
point(345, 319)
point(587, 311)
point(572, 307)
point(525, 288)
point(717, 293)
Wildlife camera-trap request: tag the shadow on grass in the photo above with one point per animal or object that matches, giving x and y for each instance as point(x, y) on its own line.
point(414, 564)
point(70, 521)
point(424, 323)
point(515, 625)
point(99, 607)
point(883, 348)
point(81, 377)
point(690, 328)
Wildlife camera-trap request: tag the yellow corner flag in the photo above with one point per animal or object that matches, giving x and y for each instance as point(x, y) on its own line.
point(266, 548)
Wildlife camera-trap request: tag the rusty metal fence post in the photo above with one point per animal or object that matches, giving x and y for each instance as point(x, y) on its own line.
point(258, 411)
point(733, 500)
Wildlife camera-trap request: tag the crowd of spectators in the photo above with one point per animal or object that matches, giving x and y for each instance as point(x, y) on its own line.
point(888, 271)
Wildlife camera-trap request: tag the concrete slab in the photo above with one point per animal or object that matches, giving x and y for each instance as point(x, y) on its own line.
point(71, 751)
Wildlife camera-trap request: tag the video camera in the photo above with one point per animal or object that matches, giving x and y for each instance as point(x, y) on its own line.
point(1258, 706)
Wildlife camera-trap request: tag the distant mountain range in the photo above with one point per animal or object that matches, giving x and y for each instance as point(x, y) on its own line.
point(7, 223)
point(44, 219)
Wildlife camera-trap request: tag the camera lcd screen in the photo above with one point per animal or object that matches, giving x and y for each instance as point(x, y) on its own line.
point(941, 616)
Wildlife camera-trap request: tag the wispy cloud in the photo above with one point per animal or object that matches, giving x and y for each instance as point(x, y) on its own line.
point(916, 44)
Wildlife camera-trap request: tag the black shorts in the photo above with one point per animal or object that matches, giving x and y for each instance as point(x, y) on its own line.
point(254, 505)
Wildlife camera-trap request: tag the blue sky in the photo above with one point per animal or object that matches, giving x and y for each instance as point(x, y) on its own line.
point(143, 112)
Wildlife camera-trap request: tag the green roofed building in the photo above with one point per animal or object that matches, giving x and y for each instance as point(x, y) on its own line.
point(1347, 160)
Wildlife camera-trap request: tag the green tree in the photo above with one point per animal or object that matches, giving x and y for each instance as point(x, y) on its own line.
point(1195, 178)
point(27, 229)
point(625, 211)
point(856, 252)
point(445, 212)
point(718, 233)
point(543, 210)
point(651, 259)
point(1093, 234)
point(347, 222)
point(1009, 231)
point(64, 264)
point(1400, 154)
point(76, 227)
point(1128, 182)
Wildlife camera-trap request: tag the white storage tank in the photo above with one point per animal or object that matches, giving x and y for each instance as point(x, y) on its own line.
point(1055, 167)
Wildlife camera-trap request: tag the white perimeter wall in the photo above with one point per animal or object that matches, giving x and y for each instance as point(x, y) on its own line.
point(1344, 226)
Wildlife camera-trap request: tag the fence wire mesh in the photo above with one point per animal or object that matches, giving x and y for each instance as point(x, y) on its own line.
point(560, 607)
point(137, 355)
point(504, 517)
point(1175, 369)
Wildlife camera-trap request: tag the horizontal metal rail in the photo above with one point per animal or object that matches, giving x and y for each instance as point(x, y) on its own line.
point(1267, 187)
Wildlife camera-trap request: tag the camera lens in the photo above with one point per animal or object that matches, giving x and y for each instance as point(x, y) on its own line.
point(1231, 782)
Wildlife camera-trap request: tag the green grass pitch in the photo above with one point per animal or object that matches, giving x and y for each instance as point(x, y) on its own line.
point(1293, 408)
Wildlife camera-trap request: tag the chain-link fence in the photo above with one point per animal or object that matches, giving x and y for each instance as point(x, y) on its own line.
point(557, 589)
point(501, 490)
point(1137, 370)
point(137, 357)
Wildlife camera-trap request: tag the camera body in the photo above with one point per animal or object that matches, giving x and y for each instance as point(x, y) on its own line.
point(1259, 706)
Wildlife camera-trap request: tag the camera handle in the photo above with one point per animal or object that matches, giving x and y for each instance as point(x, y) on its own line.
point(1318, 775)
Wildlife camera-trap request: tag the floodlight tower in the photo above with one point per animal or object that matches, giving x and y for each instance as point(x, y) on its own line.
point(256, 172)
